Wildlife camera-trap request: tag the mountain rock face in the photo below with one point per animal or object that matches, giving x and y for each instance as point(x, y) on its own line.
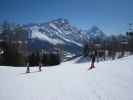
point(60, 33)
point(57, 32)
point(94, 32)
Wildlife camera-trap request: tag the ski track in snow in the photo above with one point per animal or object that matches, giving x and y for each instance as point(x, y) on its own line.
point(110, 80)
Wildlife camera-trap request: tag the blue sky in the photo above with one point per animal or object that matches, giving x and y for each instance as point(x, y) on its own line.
point(112, 16)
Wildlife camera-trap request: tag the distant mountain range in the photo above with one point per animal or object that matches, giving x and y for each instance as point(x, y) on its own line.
point(61, 33)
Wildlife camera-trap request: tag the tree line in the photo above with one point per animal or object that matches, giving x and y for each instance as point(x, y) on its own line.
point(110, 47)
point(14, 49)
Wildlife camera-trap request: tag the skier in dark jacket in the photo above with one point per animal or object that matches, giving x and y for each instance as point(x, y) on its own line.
point(93, 58)
point(28, 68)
point(40, 66)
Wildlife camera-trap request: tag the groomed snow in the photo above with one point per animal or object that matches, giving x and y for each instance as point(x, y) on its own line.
point(110, 80)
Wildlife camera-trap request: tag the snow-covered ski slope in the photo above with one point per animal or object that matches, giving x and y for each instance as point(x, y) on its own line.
point(110, 80)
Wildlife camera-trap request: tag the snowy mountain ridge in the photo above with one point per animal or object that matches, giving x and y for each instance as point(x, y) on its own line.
point(60, 31)
point(56, 33)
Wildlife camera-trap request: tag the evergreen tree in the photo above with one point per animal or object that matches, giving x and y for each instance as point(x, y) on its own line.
point(11, 56)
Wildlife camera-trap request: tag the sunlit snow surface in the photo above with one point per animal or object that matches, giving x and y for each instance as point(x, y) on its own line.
point(110, 80)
